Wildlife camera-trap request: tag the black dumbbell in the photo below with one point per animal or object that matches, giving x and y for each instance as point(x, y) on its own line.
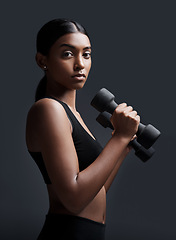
point(141, 152)
point(104, 101)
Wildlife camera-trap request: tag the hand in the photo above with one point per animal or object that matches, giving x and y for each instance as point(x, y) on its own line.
point(125, 120)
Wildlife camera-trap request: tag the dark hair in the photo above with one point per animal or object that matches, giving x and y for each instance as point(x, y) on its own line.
point(47, 36)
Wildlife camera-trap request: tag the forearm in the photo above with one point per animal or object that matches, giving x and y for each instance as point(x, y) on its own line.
point(115, 170)
point(92, 179)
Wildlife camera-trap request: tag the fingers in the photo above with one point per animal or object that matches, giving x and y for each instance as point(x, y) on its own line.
point(122, 105)
point(138, 118)
point(125, 120)
point(127, 111)
point(132, 114)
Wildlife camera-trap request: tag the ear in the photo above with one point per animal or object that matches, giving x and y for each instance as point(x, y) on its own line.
point(41, 60)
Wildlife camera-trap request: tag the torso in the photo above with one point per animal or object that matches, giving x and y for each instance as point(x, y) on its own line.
point(95, 210)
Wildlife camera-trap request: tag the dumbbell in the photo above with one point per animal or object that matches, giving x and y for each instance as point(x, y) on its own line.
point(141, 152)
point(104, 101)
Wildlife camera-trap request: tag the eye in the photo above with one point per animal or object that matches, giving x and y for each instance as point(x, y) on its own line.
point(87, 54)
point(67, 54)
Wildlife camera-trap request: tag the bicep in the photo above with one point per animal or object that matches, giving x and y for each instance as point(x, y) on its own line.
point(57, 147)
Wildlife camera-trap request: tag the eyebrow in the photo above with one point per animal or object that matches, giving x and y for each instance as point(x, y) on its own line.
point(71, 46)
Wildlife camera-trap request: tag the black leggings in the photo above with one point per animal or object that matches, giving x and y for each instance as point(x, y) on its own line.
point(67, 227)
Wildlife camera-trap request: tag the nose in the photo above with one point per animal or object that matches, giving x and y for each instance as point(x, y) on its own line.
point(79, 63)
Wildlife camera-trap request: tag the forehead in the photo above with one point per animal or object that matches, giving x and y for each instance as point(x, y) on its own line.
point(78, 40)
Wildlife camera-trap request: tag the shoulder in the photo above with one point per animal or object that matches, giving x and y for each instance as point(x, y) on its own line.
point(47, 112)
point(46, 107)
point(47, 123)
point(46, 104)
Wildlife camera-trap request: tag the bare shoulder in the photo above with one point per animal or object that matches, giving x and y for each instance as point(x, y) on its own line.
point(45, 118)
point(45, 106)
point(46, 110)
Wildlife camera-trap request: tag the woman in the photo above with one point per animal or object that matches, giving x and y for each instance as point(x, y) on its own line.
point(77, 171)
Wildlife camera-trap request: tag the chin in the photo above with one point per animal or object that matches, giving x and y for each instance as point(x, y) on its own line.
point(79, 86)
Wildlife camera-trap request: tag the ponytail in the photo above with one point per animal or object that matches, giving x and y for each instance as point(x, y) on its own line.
point(41, 89)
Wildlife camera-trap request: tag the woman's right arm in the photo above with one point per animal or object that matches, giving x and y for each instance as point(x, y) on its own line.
point(77, 189)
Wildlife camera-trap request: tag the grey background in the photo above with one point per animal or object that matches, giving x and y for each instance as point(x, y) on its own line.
point(134, 57)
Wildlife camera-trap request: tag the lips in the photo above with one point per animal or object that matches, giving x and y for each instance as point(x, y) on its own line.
point(79, 76)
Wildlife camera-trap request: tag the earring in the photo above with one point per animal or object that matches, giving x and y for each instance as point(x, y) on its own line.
point(45, 68)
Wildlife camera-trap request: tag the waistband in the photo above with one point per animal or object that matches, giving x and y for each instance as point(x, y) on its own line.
point(62, 226)
point(66, 217)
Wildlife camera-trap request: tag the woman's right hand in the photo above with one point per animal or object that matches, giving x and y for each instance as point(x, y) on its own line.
point(125, 120)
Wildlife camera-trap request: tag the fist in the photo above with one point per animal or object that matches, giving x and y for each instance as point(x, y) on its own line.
point(125, 120)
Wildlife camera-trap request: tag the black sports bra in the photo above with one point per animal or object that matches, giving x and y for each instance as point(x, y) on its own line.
point(86, 147)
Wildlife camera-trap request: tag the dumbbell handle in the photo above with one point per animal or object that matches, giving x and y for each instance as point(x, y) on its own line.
point(104, 101)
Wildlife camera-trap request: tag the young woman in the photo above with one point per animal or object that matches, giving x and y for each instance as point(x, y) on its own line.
point(77, 171)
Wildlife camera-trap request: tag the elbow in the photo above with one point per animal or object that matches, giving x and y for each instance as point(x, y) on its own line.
point(73, 197)
point(74, 210)
point(72, 200)
point(74, 205)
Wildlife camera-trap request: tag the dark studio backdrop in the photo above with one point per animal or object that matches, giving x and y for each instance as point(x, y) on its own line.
point(134, 57)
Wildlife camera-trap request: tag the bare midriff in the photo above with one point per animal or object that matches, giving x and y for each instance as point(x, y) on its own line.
point(95, 210)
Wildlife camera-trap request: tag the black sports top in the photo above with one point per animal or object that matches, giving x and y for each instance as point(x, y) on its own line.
point(86, 147)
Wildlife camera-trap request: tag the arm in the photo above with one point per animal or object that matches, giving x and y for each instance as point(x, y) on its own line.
point(115, 170)
point(75, 189)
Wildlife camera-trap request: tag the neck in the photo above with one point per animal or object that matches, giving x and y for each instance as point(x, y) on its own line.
point(63, 94)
